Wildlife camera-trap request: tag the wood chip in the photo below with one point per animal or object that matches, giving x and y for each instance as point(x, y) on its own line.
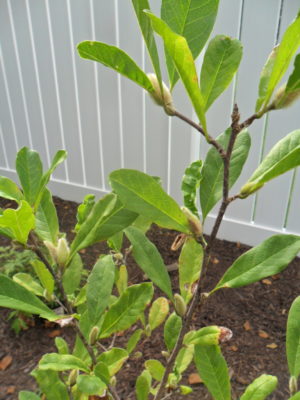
point(215, 260)
point(55, 333)
point(263, 334)
point(238, 244)
point(275, 277)
point(233, 348)
point(272, 346)
point(267, 282)
point(247, 326)
point(10, 390)
point(194, 379)
point(242, 380)
point(5, 362)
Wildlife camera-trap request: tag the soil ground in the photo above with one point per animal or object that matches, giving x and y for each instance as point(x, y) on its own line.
point(256, 314)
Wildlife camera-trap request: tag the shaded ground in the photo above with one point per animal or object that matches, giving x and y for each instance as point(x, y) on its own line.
point(263, 306)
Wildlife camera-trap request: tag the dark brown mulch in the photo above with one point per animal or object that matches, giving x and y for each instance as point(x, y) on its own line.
point(262, 306)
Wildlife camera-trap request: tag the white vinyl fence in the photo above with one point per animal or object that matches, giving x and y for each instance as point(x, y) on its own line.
point(51, 99)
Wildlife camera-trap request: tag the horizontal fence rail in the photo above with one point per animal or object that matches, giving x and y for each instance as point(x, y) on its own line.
point(51, 99)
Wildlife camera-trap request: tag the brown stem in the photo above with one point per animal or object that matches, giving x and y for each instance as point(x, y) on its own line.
point(197, 298)
point(209, 139)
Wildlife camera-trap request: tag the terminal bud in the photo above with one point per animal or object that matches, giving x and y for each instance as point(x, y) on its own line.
point(162, 98)
point(179, 304)
point(94, 335)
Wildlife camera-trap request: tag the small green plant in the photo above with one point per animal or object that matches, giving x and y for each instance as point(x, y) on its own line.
point(89, 369)
point(14, 260)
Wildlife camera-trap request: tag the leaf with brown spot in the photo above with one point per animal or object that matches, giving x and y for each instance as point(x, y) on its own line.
point(5, 362)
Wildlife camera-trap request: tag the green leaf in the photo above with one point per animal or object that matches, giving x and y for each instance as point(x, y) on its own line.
point(133, 341)
point(20, 221)
point(141, 193)
point(149, 259)
point(46, 219)
point(142, 223)
point(72, 275)
point(9, 190)
point(172, 329)
point(30, 171)
point(221, 61)
point(14, 296)
point(147, 31)
point(178, 49)
point(116, 242)
point(127, 309)
point(88, 384)
point(102, 372)
point(293, 83)
point(287, 48)
point(193, 19)
point(26, 395)
point(84, 210)
point(293, 339)
point(158, 312)
point(209, 335)
point(143, 386)
point(59, 157)
point(61, 362)
point(213, 370)
point(61, 345)
point(189, 267)
point(268, 258)
point(260, 388)
point(114, 58)
point(99, 287)
point(295, 397)
point(44, 275)
point(183, 359)
point(51, 385)
point(265, 78)
point(113, 359)
point(211, 188)
point(155, 368)
point(27, 281)
point(189, 185)
point(107, 217)
point(284, 156)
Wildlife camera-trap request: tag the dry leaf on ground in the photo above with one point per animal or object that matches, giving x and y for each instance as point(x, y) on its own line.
point(5, 362)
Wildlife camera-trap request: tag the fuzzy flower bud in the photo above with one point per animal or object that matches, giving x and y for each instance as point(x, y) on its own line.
point(51, 248)
point(94, 335)
point(163, 98)
point(148, 330)
point(283, 99)
point(293, 385)
point(63, 252)
point(59, 253)
point(179, 304)
point(73, 377)
point(194, 222)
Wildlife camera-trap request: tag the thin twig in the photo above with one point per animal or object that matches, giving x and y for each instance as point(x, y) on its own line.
point(209, 139)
